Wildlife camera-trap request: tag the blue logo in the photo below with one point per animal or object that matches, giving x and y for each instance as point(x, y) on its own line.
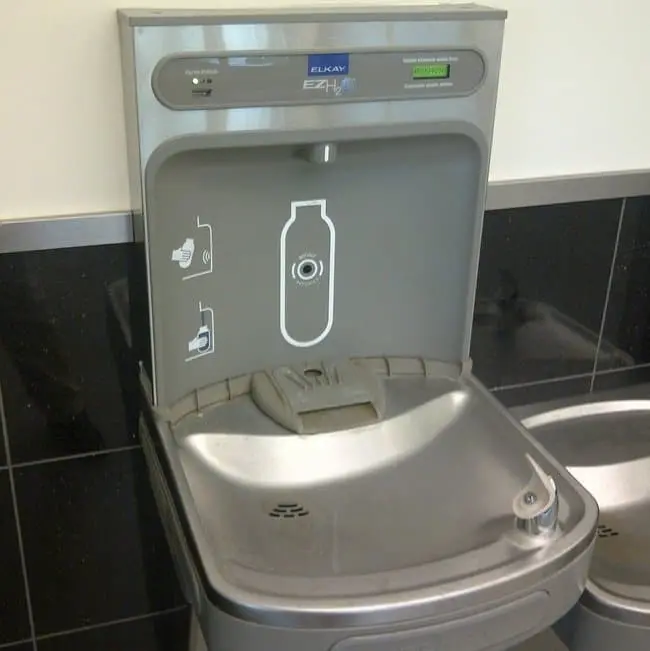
point(328, 65)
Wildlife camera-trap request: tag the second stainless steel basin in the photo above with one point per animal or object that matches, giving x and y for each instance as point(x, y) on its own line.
point(605, 445)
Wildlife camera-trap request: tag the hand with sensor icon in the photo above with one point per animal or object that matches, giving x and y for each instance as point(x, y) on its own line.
point(184, 254)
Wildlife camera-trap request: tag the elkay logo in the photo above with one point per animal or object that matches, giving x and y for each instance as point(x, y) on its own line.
point(326, 65)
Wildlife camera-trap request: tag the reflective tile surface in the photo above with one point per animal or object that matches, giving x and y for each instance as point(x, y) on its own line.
point(24, 646)
point(627, 325)
point(3, 456)
point(620, 379)
point(164, 632)
point(94, 546)
point(58, 374)
point(542, 284)
point(14, 624)
point(530, 394)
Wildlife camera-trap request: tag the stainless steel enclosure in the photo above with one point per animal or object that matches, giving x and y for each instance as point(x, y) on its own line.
point(310, 186)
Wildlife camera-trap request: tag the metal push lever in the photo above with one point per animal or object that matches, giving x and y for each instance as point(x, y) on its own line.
point(536, 505)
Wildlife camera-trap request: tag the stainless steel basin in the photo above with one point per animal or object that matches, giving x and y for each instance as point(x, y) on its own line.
point(383, 523)
point(325, 497)
point(605, 445)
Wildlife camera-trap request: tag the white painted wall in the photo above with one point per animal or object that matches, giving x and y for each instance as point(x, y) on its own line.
point(575, 97)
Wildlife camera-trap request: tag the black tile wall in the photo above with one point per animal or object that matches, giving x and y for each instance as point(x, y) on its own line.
point(59, 379)
point(537, 392)
point(627, 325)
point(93, 542)
point(165, 632)
point(3, 455)
point(621, 378)
point(25, 646)
point(14, 621)
point(542, 284)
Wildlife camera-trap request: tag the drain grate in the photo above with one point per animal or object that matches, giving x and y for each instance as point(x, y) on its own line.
point(606, 532)
point(288, 510)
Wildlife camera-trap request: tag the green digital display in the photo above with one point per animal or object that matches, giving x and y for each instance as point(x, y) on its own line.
point(430, 71)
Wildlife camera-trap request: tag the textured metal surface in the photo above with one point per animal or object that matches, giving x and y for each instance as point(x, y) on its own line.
point(606, 446)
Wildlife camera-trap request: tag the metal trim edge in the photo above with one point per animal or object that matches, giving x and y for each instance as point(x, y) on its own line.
point(65, 231)
point(68, 231)
point(567, 189)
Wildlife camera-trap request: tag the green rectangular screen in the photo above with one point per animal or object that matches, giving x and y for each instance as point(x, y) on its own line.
point(431, 71)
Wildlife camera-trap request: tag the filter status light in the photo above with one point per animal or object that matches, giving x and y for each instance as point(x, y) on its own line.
point(431, 71)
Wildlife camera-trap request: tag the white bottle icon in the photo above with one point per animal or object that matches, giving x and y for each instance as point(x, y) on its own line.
point(307, 257)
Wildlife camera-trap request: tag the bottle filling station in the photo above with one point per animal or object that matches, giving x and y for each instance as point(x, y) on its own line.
point(308, 190)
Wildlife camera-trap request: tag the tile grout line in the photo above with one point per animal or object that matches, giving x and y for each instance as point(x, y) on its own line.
point(565, 378)
point(534, 383)
point(81, 455)
point(623, 369)
point(10, 645)
point(114, 622)
point(19, 533)
point(610, 280)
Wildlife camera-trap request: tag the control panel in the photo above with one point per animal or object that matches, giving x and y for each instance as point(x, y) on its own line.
point(212, 82)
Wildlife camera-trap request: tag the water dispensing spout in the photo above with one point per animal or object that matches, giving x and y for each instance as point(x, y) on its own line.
point(536, 505)
point(322, 153)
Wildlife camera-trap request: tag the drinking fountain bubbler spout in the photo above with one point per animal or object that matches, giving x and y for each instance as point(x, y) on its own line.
point(536, 506)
